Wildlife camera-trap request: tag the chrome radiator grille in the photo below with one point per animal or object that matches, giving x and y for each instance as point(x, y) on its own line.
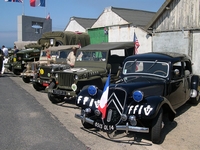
point(116, 104)
point(65, 79)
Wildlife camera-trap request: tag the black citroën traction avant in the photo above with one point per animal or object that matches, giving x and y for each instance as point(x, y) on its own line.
point(151, 85)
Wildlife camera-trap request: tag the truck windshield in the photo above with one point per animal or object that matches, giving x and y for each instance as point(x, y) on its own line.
point(91, 56)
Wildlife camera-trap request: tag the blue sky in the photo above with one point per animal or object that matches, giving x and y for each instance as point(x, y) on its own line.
point(61, 11)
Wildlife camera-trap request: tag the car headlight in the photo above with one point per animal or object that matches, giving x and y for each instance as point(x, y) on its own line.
point(193, 93)
point(92, 90)
point(76, 77)
point(138, 96)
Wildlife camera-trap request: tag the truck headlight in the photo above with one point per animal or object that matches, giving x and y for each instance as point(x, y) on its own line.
point(138, 96)
point(52, 70)
point(56, 75)
point(27, 55)
point(76, 77)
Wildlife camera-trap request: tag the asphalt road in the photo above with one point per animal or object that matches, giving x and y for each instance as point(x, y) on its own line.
point(28, 120)
point(26, 125)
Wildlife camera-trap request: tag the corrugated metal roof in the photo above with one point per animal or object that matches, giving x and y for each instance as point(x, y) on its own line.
point(85, 22)
point(136, 17)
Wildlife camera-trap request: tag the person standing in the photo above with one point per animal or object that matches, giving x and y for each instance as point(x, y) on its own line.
point(1, 60)
point(5, 51)
point(15, 49)
point(72, 57)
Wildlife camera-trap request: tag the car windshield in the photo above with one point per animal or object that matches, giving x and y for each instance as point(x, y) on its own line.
point(91, 56)
point(154, 68)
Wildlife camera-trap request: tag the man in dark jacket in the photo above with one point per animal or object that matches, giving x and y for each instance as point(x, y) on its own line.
point(1, 59)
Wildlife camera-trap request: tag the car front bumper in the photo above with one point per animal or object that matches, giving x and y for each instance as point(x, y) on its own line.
point(126, 127)
point(62, 92)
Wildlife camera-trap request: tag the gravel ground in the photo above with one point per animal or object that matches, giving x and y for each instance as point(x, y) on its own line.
point(183, 133)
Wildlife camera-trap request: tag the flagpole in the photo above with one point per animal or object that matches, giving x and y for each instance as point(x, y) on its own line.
point(45, 8)
point(23, 13)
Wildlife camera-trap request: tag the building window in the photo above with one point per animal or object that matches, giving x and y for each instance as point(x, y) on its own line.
point(37, 26)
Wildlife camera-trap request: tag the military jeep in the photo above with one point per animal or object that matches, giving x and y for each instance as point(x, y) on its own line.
point(93, 64)
point(51, 59)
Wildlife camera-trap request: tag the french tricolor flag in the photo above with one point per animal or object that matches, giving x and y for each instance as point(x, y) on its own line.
point(35, 3)
point(104, 98)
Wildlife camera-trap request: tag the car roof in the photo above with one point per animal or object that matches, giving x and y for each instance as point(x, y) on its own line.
point(109, 46)
point(61, 47)
point(160, 56)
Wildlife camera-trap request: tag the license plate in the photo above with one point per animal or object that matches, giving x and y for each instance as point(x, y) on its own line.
point(104, 127)
point(59, 92)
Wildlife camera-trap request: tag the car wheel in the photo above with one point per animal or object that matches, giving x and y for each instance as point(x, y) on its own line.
point(16, 72)
point(157, 127)
point(52, 97)
point(38, 87)
point(25, 79)
point(85, 124)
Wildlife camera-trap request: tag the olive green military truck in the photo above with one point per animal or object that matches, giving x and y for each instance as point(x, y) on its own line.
point(56, 38)
point(93, 64)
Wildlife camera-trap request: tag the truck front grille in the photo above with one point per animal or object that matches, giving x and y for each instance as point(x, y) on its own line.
point(65, 79)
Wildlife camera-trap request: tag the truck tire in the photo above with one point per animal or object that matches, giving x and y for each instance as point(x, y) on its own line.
point(52, 97)
point(38, 87)
point(26, 79)
point(16, 71)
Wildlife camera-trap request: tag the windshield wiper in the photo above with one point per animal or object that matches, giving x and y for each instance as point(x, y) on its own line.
point(128, 66)
point(152, 65)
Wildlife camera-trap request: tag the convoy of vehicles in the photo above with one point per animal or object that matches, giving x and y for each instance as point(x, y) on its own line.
point(115, 90)
point(151, 85)
point(49, 40)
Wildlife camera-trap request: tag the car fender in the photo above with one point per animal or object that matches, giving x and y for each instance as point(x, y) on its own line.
point(84, 100)
point(150, 106)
